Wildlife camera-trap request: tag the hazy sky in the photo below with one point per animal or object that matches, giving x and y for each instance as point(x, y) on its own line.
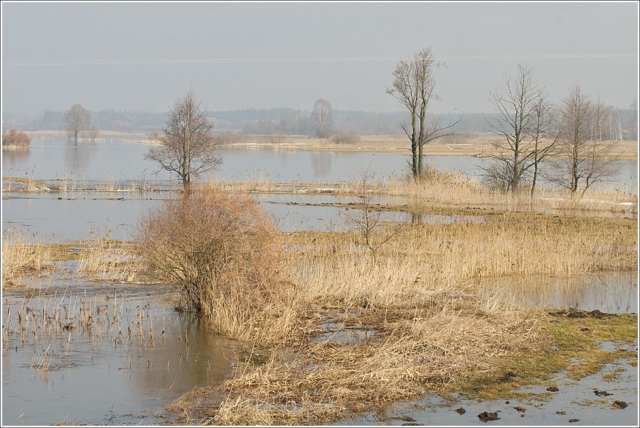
point(141, 56)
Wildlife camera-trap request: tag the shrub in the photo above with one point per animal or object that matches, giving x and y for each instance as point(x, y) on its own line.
point(15, 139)
point(222, 257)
point(345, 138)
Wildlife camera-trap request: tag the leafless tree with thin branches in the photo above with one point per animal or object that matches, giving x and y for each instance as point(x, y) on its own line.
point(585, 157)
point(366, 218)
point(413, 86)
point(187, 146)
point(522, 128)
point(545, 136)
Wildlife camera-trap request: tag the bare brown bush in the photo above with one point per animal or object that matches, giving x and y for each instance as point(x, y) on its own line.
point(14, 138)
point(223, 258)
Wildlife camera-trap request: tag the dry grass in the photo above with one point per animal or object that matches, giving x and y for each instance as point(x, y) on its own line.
point(454, 189)
point(104, 259)
point(426, 322)
point(99, 257)
point(457, 145)
point(450, 190)
point(338, 268)
point(24, 254)
point(413, 351)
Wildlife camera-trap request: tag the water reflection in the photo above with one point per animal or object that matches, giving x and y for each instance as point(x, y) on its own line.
point(78, 156)
point(192, 354)
point(115, 159)
point(12, 157)
point(321, 163)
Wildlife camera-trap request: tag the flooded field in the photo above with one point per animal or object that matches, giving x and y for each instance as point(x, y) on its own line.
point(81, 351)
point(97, 353)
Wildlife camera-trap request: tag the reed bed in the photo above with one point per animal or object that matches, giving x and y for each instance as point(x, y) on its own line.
point(98, 257)
point(104, 259)
point(24, 254)
point(340, 267)
point(71, 185)
point(455, 189)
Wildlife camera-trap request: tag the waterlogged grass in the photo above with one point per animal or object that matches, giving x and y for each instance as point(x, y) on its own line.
point(572, 347)
point(98, 258)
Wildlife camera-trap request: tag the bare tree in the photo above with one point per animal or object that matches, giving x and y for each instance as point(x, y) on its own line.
point(414, 86)
point(545, 136)
point(586, 158)
point(187, 143)
point(322, 118)
point(76, 119)
point(522, 126)
point(366, 218)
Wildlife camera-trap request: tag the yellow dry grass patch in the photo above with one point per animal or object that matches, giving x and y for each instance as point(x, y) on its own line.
point(23, 254)
point(319, 383)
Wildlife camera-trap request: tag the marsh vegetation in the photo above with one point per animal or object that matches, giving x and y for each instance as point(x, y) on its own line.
point(328, 329)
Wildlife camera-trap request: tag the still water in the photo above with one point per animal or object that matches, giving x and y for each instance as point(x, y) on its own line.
point(103, 374)
point(58, 217)
point(121, 160)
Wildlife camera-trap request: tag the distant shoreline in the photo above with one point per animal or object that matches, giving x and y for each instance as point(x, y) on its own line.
point(479, 146)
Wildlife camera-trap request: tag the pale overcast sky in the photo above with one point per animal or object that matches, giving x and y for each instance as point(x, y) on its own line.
point(141, 56)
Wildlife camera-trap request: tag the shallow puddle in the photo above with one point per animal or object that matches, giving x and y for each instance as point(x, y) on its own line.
point(575, 403)
point(138, 355)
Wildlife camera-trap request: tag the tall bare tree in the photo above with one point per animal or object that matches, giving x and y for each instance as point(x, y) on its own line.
point(413, 86)
point(322, 118)
point(522, 127)
point(187, 146)
point(545, 136)
point(76, 119)
point(586, 157)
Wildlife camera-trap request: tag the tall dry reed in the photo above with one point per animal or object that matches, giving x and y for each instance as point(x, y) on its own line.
point(22, 254)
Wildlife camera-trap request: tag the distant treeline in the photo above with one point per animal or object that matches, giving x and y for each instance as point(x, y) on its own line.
point(273, 121)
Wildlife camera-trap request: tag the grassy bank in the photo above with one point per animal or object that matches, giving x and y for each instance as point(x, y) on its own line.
point(455, 146)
